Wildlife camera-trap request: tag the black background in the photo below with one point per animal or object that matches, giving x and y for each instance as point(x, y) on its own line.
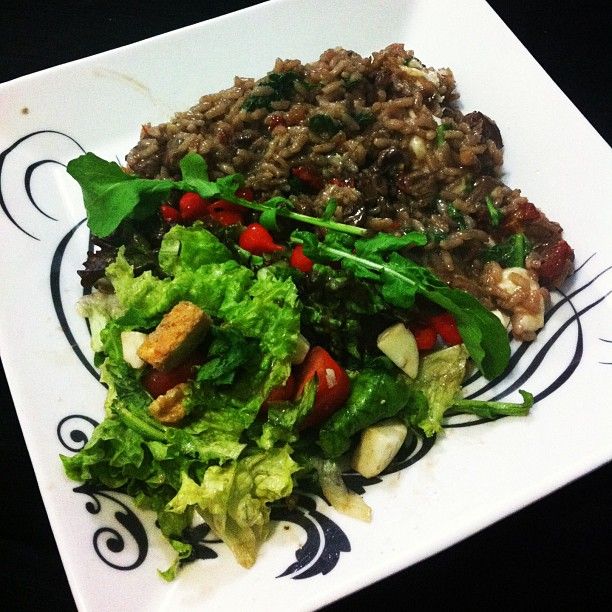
point(556, 552)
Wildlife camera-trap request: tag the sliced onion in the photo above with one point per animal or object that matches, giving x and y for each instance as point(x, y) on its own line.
point(342, 499)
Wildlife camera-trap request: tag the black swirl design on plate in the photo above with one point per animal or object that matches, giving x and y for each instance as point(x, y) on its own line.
point(201, 537)
point(56, 296)
point(609, 341)
point(71, 434)
point(52, 141)
point(110, 541)
point(414, 449)
point(325, 541)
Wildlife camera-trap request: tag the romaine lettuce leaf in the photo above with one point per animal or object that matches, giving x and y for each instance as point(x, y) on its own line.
point(439, 379)
point(233, 499)
point(188, 248)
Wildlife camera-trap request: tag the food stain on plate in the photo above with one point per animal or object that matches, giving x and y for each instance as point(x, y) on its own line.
point(132, 82)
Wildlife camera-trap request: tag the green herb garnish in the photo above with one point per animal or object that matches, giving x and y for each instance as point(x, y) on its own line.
point(440, 133)
point(456, 216)
point(511, 253)
point(282, 85)
point(324, 125)
point(364, 118)
point(494, 214)
point(111, 195)
point(490, 409)
point(350, 82)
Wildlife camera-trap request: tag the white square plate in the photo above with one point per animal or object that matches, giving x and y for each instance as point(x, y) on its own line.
point(469, 479)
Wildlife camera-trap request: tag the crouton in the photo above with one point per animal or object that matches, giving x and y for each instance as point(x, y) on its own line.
point(177, 334)
point(168, 408)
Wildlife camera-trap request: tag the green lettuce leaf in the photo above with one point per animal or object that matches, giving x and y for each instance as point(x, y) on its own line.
point(283, 417)
point(234, 498)
point(98, 308)
point(188, 248)
point(439, 380)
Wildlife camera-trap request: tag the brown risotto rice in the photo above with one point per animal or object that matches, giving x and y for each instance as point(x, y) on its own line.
point(383, 136)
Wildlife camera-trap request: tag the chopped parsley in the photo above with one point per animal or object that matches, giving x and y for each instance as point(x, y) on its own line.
point(510, 253)
point(495, 215)
point(456, 216)
point(324, 125)
point(440, 133)
point(282, 85)
point(364, 118)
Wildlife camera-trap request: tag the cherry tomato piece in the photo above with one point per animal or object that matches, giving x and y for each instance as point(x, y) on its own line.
point(192, 207)
point(158, 382)
point(273, 120)
point(299, 261)
point(425, 336)
point(226, 213)
point(333, 385)
point(169, 213)
point(257, 239)
point(556, 263)
point(309, 176)
point(446, 327)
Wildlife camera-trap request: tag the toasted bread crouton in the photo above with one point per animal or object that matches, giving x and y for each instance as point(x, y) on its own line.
point(177, 334)
point(168, 408)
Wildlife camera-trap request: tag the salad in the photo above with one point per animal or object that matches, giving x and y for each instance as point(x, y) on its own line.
point(252, 345)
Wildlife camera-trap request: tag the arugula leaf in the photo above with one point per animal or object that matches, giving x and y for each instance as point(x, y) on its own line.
point(375, 395)
point(121, 192)
point(400, 280)
point(384, 243)
point(111, 196)
point(274, 206)
point(490, 409)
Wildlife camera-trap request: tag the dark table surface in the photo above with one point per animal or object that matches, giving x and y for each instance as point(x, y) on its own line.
point(558, 550)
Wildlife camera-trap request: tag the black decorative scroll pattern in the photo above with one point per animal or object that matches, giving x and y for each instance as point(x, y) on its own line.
point(108, 541)
point(325, 541)
point(608, 340)
point(324, 538)
point(62, 138)
point(56, 296)
point(200, 537)
point(70, 432)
